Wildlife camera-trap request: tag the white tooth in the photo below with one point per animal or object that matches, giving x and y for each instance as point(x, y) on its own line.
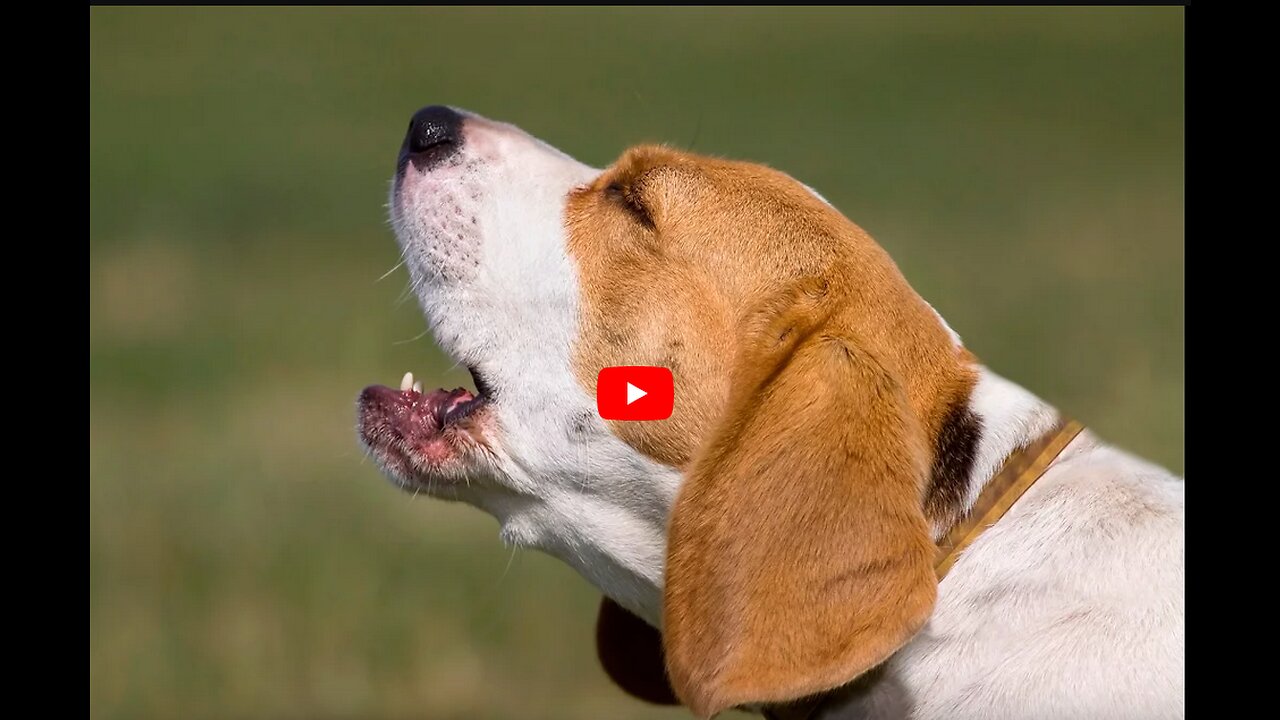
point(417, 387)
point(406, 383)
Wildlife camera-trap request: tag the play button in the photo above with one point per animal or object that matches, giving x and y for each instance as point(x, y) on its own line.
point(634, 393)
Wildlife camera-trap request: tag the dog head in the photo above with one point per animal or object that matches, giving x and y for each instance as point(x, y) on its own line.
point(777, 525)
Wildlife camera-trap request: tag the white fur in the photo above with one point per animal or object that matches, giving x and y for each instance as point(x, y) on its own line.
point(1010, 417)
point(1071, 607)
point(501, 295)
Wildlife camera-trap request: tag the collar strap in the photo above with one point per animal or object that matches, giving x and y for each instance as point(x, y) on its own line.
point(1020, 471)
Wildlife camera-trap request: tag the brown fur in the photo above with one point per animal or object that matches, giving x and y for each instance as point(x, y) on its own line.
point(811, 385)
point(799, 556)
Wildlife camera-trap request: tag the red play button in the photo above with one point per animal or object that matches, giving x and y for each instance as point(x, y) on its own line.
point(635, 392)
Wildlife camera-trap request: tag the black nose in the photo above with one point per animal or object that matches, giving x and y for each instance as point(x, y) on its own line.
point(435, 133)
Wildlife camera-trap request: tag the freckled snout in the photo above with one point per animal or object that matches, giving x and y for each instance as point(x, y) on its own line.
point(478, 209)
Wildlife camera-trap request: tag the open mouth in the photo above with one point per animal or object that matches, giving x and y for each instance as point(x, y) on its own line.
point(419, 436)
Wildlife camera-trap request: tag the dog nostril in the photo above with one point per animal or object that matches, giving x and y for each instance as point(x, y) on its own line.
point(432, 127)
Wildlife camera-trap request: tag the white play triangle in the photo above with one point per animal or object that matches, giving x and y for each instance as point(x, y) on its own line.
point(634, 393)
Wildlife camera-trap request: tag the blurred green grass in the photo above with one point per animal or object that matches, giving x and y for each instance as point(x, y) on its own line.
point(1025, 168)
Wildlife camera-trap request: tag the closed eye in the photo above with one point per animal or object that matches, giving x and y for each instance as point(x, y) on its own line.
point(625, 197)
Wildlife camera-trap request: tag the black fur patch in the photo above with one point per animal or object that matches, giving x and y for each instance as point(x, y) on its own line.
point(953, 459)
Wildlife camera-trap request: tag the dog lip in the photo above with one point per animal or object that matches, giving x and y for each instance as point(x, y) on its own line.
point(483, 388)
point(424, 412)
point(413, 434)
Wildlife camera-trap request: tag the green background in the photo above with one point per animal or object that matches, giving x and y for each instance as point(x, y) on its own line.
point(1024, 167)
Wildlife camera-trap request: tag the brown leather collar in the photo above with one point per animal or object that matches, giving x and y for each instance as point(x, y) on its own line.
point(1020, 471)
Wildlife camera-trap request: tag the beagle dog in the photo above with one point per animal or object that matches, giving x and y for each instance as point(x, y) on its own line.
point(773, 545)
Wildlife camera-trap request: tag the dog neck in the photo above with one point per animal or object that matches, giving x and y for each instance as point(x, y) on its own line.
point(999, 418)
point(614, 534)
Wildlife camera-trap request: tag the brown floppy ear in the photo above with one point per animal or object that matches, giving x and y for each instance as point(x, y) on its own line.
point(799, 556)
point(630, 651)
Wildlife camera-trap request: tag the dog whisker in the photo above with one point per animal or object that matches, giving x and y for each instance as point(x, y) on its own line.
point(386, 274)
point(415, 338)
